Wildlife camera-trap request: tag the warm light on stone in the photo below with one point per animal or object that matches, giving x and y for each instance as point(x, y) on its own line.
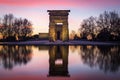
point(58, 25)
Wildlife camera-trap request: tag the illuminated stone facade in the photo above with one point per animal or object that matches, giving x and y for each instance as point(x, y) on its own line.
point(58, 25)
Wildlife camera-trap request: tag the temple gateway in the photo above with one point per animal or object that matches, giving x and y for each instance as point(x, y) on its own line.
point(58, 25)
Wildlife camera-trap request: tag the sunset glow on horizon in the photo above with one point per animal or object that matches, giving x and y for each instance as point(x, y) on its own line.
point(36, 10)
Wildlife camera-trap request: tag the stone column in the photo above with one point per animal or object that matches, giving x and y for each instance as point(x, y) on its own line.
point(52, 31)
point(65, 31)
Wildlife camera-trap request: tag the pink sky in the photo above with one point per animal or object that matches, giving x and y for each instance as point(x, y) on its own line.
point(68, 3)
point(36, 10)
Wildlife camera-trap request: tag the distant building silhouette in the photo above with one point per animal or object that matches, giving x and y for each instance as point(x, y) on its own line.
point(44, 36)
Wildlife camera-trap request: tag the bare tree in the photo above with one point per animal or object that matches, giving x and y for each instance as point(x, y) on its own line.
point(88, 27)
point(27, 28)
point(15, 27)
point(107, 22)
point(72, 34)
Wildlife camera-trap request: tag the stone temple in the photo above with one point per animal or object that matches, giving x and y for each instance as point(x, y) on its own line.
point(58, 25)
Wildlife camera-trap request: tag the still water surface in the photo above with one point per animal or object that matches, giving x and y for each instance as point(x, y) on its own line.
point(60, 62)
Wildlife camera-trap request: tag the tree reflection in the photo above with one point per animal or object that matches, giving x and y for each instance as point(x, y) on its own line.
point(14, 55)
point(106, 58)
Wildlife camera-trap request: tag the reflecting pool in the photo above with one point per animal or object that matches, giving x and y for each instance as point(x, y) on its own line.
point(59, 62)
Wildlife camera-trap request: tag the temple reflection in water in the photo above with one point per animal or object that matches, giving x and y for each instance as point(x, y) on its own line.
point(51, 62)
point(58, 61)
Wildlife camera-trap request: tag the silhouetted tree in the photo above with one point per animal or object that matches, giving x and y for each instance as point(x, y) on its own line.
point(27, 28)
point(22, 28)
point(76, 37)
point(88, 26)
point(8, 24)
point(72, 34)
point(107, 25)
point(12, 28)
point(109, 21)
point(104, 35)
